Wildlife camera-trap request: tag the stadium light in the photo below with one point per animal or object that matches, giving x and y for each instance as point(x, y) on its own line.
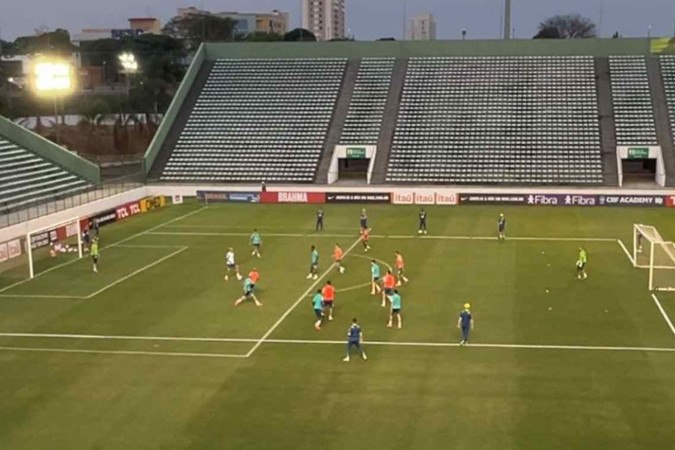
point(53, 77)
point(128, 63)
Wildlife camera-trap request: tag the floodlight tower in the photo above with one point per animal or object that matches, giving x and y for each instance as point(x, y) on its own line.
point(507, 19)
point(129, 67)
point(53, 78)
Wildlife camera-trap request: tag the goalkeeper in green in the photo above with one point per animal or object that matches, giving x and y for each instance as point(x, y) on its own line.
point(581, 264)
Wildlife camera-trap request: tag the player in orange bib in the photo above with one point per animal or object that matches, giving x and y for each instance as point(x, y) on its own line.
point(328, 293)
point(388, 283)
point(400, 266)
point(337, 257)
point(365, 237)
point(254, 275)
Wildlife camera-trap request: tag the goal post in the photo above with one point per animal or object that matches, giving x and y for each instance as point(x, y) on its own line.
point(652, 252)
point(55, 242)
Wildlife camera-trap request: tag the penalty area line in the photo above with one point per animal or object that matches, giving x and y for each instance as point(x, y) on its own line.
point(664, 313)
point(114, 244)
point(302, 297)
point(625, 250)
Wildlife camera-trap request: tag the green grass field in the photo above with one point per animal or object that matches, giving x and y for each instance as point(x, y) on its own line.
point(151, 352)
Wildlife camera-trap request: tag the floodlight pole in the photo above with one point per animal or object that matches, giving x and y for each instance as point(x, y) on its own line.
point(56, 120)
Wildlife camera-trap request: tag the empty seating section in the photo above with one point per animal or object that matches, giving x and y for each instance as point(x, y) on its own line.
point(258, 119)
point(498, 120)
point(26, 178)
point(668, 74)
point(366, 109)
point(632, 101)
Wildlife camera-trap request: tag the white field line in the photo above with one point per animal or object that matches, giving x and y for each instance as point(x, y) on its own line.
point(136, 272)
point(102, 337)
point(663, 313)
point(388, 236)
point(120, 352)
point(302, 298)
point(300, 342)
point(115, 244)
point(149, 246)
point(625, 250)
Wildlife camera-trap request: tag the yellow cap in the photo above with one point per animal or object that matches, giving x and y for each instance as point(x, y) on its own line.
point(467, 305)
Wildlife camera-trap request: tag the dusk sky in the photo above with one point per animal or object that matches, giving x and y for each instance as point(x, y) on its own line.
point(367, 19)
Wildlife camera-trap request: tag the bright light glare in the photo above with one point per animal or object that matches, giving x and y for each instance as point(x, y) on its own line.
point(128, 62)
point(53, 77)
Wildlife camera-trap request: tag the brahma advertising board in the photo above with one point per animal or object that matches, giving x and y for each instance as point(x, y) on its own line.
point(292, 197)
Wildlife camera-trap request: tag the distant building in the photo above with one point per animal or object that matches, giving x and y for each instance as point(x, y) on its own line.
point(422, 27)
point(245, 23)
point(137, 26)
point(324, 18)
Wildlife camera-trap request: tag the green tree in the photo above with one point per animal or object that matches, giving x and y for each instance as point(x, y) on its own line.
point(568, 26)
point(299, 35)
point(196, 28)
point(53, 42)
point(261, 36)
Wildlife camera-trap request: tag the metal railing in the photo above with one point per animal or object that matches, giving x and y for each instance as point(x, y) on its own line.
point(12, 216)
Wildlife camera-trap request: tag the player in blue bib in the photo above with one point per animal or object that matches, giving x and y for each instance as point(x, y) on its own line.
point(354, 339)
point(465, 323)
point(317, 303)
point(374, 278)
point(256, 242)
point(249, 287)
point(313, 264)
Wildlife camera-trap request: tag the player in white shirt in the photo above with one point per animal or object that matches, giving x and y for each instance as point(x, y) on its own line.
point(231, 265)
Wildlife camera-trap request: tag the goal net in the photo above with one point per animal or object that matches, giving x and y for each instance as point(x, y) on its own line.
point(652, 252)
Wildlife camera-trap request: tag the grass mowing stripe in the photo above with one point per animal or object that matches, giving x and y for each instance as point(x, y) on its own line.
point(387, 236)
point(663, 313)
point(79, 297)
point(136, 272)
point(114, 244)
point(120, 352)
point(300, 299)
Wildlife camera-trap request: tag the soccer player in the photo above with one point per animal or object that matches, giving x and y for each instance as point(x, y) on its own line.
point(86, 240)
point(337, 257)
point(395, 310)
point(501, 227)
point(95, 253)
point(313, 264)
point(254, 276)
point(374, 278)
point(256, 242)
point(363, 219)
point(581, 264)
point(231, 265)
point(249, 287)
point(465, 323)
point(639, 242)
point(354, 339)
point(388, 283)
point(423, 222)
point(317, 302)
point(319, 219)
point(328, 293)
point(365, 238)
point(400, 267)
point(96, 226)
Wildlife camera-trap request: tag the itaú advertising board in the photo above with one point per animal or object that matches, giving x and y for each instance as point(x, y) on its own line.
point(424, 197)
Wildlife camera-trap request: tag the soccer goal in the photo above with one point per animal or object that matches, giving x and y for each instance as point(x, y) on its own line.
point(53, 245)
point(652, 252)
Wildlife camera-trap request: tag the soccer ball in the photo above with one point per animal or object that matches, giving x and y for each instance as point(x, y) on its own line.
point(419, 231)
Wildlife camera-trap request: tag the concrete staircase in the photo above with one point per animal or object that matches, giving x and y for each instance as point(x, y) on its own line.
point(389, 122)
point(610, 173)
point(661, 118)
point(181, 119)
point(337, 122)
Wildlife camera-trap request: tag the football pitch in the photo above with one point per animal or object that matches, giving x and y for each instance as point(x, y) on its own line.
point(151, 352)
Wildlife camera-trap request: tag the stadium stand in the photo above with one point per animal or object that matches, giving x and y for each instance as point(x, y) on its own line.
point(668, 74)
point(526, 120)
point(258, 119)
point(631, 97)
point(28, 178)
point(366, 109)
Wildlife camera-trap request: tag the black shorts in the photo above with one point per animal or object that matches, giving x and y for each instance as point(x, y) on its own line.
point(376, 279)
point(328, 303)
point(231, 266)
point(389, 292)
point(95, 258)
point(581, 266)
point(318, 313)
point(396, 310)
